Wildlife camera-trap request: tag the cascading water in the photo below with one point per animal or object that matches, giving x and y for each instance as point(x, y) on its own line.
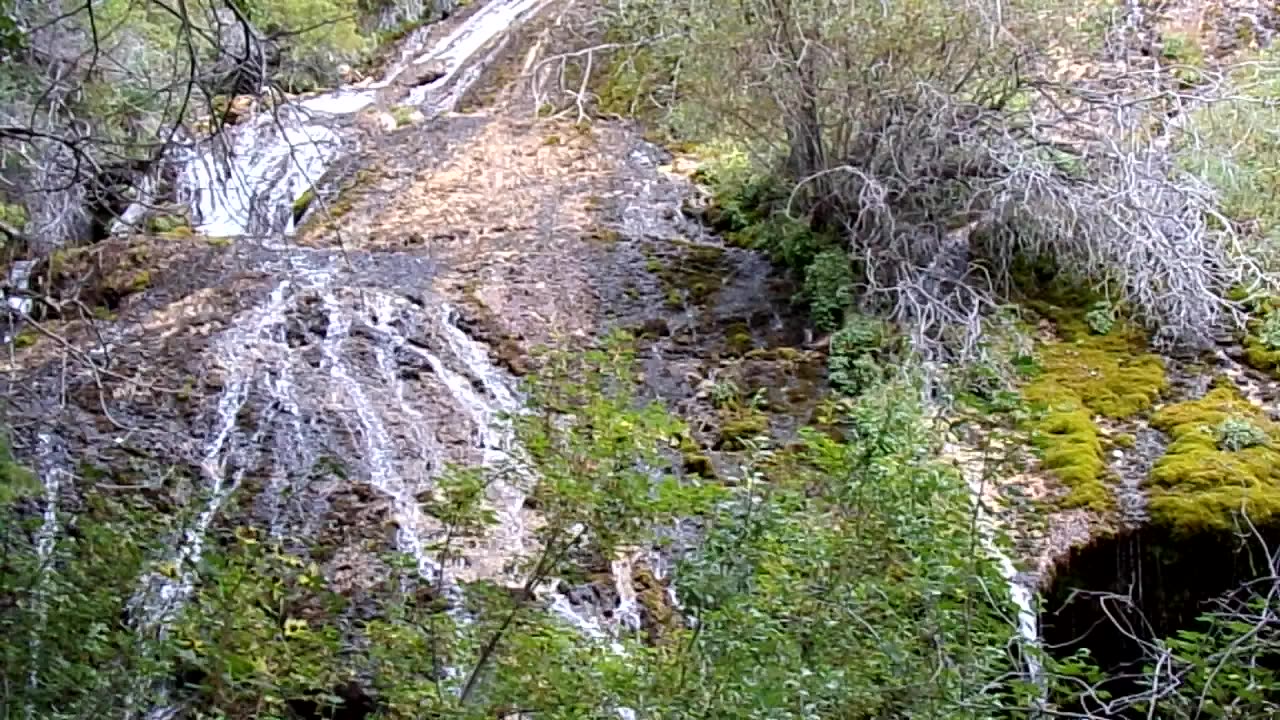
point(1021, 593)
point(246, 180)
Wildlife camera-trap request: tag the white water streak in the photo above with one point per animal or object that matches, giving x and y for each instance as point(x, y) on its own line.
point(1019, 592)
point(46, 537)
point(247, 180)
point(375, 443)
point(167, 593)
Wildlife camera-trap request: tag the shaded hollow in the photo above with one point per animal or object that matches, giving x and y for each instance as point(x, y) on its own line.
point(1118, 593)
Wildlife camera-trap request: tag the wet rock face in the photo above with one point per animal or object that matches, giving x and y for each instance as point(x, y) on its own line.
point(1117, 593)
point(324, 399)
point(419, 74)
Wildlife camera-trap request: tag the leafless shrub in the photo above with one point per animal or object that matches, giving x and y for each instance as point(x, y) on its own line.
point(944, 197)
point(951, 140)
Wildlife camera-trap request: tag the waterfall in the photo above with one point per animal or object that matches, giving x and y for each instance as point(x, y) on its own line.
point(246, 180)
point(376, 444)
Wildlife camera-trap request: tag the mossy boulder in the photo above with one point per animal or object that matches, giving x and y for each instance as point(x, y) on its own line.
point(700, 465)
point(1262, 333)
point(737, 338)
point(1259, 356)
point(302, 203)
point(174, 224)
point(101, 276)
point(694, 277)
point(1200, 485)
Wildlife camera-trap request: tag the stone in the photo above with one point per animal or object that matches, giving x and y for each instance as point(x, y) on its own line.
point(419, 74)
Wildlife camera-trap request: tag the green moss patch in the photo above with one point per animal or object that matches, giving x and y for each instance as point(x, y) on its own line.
point(740, 425)
point(738, 340)
point(1262, 337)
point(1113, 374)
point(1082, 376)
point(694, 277)
point(1071, 445)
point(1200, 483)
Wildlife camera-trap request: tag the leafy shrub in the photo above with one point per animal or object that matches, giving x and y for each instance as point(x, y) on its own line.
point(725, 393)
point(854, 375)
point(860, 334)
point(1235, 434)
point(851, 365)
point(1269, 331)
point(742, 193)
point(828, 288)
point(1101, 317)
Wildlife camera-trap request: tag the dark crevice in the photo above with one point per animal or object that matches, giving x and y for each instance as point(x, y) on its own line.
point(1119, 593)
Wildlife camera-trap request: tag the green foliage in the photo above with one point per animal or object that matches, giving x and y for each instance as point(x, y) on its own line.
point(329, 33)
point(630, 85)
point(1101, 317)
point(742, 427)
point(741, 191)
point(1269, 331)
point(851, 363)
point(1241, 161)
point(1262, 336)
point(16, 481)
point(1235, 434)
point(841, 579)
point(828, 288)
point(13, 214)
point(725, 393)
point(598, 463)
point(1186, 53)
point(13, 37)
point(260, 632)
point(1222, 662)
point(64, 610)
point(403, 115)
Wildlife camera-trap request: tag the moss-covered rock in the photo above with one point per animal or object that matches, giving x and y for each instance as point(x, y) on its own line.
point(696, 464)
point(740, 425)
point(1068, 438)
point(1124, 440)
point(302, 203)
point(737, 338)
point(1084, 375)
point(694, 277)
point(1199, 483)
point(604, 235)
point(1258, 354)
point(1113, 375)
point(1262, 333)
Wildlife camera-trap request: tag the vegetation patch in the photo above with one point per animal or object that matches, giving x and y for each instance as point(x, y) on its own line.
point(1222, 461)
point(302, 203)
point(1083, 375)
point(739, 426)
point(1262, 337)
point(693, 277)
point(852, 364)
